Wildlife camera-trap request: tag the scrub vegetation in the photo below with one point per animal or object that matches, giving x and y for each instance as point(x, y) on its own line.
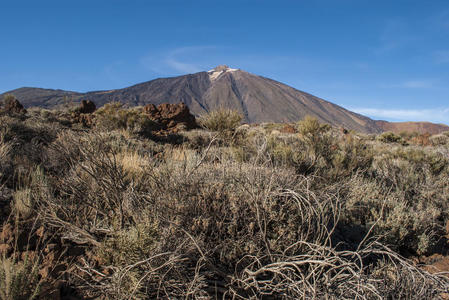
point(224, 211)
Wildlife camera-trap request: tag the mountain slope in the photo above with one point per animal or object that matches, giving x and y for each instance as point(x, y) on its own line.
point(43, 97)
point(419, 127)
point(258, 98)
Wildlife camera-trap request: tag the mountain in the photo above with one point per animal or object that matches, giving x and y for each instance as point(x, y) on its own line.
point(419, 127)
point(258, 98)
point(43, 97)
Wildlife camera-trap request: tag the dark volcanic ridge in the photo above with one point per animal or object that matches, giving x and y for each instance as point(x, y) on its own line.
point(258, 98)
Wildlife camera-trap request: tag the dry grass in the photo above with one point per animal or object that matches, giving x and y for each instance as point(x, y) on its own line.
point(19, 279)
point(245, 215)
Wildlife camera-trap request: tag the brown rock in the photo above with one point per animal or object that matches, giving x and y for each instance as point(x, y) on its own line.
point(288, 129)
point(13, 105)
point(87, 107)
point(86, 119)
point(170, 115)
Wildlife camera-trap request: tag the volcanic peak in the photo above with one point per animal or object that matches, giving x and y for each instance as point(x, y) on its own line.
point(218, 71)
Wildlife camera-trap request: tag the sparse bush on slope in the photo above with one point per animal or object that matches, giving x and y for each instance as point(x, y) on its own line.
point(221, 120)
point(284, 216)
point(115, 116)
point(389, 137)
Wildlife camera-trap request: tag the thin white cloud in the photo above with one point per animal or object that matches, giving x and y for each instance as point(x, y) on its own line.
point(438, 115)
point(181, 66)
point(418, 84)
point(413, 84)
point(177, 61)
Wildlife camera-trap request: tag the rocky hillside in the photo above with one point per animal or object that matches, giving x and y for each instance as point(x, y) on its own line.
point(258, 98)
point(419, 127)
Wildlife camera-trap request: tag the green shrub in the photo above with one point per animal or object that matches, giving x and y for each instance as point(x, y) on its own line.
point(115, 116)
point(130, 245)
point(310, 126)
point(221, 120)
point(389, 137)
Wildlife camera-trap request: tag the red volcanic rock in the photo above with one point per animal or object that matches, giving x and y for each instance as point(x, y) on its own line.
point(288, 129)
point(169, 116)
point(87, 107)
point(13, 105)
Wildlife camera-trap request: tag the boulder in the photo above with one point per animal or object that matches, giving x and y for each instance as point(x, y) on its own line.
point(171, 116)
point(87, 107)
point(288, 129)
point(12, 105)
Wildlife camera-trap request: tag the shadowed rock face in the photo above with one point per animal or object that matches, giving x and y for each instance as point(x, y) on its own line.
point(14, 106)
point(87, 107)
point(258, 98)
point(171, 115)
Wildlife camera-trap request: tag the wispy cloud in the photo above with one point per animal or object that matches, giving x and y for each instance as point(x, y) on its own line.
point(413, 84)
point(439, 115)
point(178, 61)
point(181, 66)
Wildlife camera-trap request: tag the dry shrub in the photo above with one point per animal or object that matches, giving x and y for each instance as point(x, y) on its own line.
point(316, 151)
point(19, 262)
point(19, 279)
point(349, 155)
point(115, 115)
point(439, 140)
point(421, 140)
point(94, 190)
point(310, 127)
point(5, 158)
point(268, 217)
point(390, 137)
point(28, 140)
point(221, 120)
point(23, 204)
point(405, 196)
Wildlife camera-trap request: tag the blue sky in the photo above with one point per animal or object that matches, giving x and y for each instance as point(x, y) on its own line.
point(385, 59)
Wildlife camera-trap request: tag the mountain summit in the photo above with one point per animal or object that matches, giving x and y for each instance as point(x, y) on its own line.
point(258, 98)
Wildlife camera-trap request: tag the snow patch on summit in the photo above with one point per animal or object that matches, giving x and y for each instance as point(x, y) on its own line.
point(218, 71)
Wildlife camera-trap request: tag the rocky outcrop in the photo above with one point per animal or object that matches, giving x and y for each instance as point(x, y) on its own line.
point(13, 106)
point(171, 117)
point(84, 113)
point(87, 107)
